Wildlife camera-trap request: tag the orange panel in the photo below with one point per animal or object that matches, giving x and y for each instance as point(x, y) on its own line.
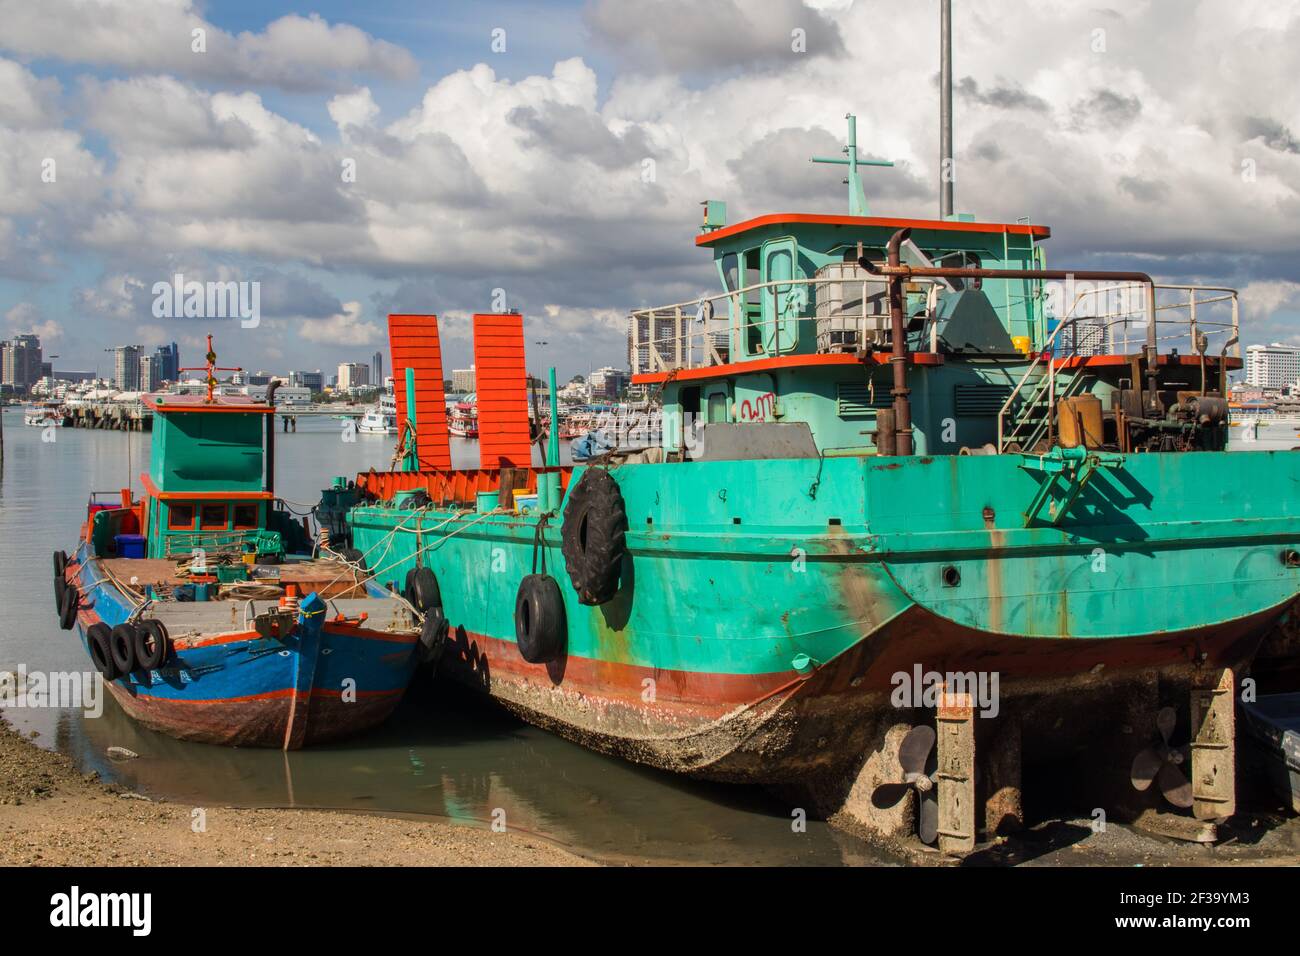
point(501, 384)
point(413, 342)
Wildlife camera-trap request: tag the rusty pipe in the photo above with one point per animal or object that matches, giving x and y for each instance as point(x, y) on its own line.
point(898, 344)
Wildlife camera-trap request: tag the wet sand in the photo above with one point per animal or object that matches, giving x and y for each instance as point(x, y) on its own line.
point(51, 814)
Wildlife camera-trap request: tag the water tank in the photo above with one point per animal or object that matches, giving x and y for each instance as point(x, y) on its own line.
point(852, 308)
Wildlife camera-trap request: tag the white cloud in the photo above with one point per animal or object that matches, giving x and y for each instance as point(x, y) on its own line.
point(294, 52)
point(345, 328)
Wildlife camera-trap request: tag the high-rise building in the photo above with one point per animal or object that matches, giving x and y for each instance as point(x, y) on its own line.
point(150, 380)
point(126, 367)
point(462, 379)
point(311, 380)
point(1272, 366)
point(377, 368)
point(662, 330)
point(353, 375)
point(167, 363)
point(20, 362)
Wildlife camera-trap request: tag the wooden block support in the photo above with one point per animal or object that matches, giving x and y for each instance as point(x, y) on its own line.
point(1214, 772)
point(955, 723)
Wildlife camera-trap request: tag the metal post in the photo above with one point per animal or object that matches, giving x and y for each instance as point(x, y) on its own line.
point(553, 446)
point(945, 109)
point(412, 462)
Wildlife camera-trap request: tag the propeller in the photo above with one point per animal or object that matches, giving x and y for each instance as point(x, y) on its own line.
point(920, 761)
point(1163, 764)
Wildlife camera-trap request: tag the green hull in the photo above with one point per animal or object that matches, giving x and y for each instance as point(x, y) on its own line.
point(767, 607)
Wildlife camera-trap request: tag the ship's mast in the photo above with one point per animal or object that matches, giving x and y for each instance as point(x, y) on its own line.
point(857, 196)
point(946, 171)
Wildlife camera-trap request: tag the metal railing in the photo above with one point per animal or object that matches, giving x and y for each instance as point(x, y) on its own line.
point(699, 333)
point(1127, 308)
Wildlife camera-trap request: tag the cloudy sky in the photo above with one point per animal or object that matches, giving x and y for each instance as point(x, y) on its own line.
point(363, 158)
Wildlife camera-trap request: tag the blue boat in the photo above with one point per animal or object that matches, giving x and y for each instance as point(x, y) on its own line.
point(213, 615)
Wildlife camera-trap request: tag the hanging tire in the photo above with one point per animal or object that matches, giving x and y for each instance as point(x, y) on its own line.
point(593, 536)
point(121, 644)
point(68, 606)
point(540, 626)
point(60, 585)
point(433, 637)
point(422, 589)
point(101, 653)
point(60, 563)
point(354, 556)
point(152, 645)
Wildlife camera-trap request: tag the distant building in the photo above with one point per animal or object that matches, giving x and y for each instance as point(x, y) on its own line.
point(167, 363)
point(284, 395)
point(608, 383)
point(126, 367)
point(258, 378)
point(1272, 366)
point(150, 380)
point(377, 368)
point(353, 376)
point(662, 331)
point(314, 381)
point(20, 362)
point(462, 379)
point(73, 376)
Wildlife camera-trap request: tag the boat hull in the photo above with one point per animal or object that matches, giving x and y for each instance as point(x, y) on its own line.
point(766, 609)
point(238, 688)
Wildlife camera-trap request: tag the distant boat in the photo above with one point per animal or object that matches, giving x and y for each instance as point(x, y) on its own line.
point(463, 419)
point(382, 419)
point(40, 417)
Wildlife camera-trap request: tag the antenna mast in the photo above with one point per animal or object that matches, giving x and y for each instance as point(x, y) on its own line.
point(946, 171)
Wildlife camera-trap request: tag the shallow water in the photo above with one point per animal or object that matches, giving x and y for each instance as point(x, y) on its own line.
point(445, 752)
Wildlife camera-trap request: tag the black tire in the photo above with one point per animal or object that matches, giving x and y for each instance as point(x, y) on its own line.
point(60, 563)
point(152, 645)
point(354, 556)
point(60, 585)
point(422, 590)
point(101, 654)
point(121, 643)
point(433, 637)
point(68, 606)
point(540, 626)
point(592, 538)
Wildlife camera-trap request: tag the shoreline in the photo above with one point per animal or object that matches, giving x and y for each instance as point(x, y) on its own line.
point(52, 814)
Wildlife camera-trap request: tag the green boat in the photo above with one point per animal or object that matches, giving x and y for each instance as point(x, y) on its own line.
point(924, 513)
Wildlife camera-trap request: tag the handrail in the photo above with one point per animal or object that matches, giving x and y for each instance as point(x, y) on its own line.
point(1119, 316)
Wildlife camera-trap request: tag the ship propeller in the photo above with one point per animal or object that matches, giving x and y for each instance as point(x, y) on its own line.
point(919, 760)
point(1163, 764)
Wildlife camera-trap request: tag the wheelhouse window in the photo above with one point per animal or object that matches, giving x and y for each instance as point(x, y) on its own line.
point(212, 517)
point(245, 517)
point(753, 304)
point(180, 517)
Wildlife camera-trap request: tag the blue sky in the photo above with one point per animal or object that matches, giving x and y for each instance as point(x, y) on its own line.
point(522, 169)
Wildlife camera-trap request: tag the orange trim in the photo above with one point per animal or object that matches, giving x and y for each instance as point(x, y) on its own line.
point(788, 218)
point(779, 362)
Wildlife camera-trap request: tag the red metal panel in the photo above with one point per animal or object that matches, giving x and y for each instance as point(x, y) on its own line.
point(501, 384)
point(413, 343)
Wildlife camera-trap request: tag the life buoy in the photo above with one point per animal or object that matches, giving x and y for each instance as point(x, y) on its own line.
point(101, 654)
point(540, 625)
point(593, 536)
point(422, 589)
point(121, 644)
point(68, 606)
point(152, 644)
